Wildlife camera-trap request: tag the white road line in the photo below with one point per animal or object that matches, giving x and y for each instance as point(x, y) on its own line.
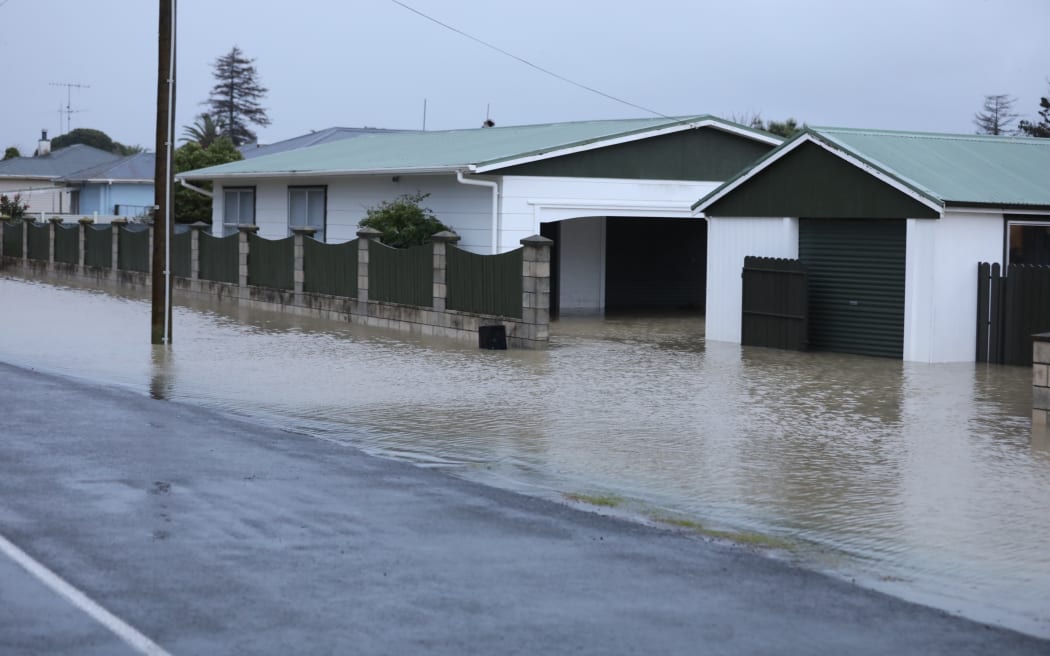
point(122, 629)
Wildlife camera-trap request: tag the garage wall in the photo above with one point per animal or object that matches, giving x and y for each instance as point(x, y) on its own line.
point(729, 240)
point(526, 201)
point(466, 209)
point(940, 306)
point(582, 265)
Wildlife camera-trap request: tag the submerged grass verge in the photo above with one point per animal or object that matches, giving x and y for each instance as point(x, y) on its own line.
point(604, 500)
point(742, 537)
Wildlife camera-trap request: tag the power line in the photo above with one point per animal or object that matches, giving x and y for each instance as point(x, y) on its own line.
point(530, 64)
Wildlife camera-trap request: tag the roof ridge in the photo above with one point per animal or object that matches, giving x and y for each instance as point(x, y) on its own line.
point(1005, 138)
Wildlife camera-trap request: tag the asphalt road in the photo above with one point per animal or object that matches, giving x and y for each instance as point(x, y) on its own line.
point(210, 535)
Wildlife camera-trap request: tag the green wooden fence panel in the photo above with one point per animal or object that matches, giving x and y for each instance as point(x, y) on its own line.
point(13, 239)
point(330, 268)
point(39, 241)
point(98, 246)
point(484, 284)
point(271, 262)
point(181, 248)
point(403, 276)
point(67, 244)
point(219, 258)
point(134, 252)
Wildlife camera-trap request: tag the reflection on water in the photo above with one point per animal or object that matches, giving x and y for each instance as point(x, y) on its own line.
point(918, 479)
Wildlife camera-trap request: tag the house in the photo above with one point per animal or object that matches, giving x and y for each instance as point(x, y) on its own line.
point(314, 138)
point(615, 196)
point(123, 187)
point(891, 226)
point(34, 178)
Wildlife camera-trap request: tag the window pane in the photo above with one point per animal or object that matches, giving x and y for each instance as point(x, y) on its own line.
point(315, 208)
point(229, 207)
point(247, 210)
point(1030, 244)
point(297, 207)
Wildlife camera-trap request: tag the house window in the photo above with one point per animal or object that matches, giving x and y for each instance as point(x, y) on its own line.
point(1028, 242)
point(306, 208)
point(238, 206)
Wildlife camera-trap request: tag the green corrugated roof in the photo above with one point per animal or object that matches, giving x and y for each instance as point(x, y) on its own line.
point(955, 168)
point(946, 169)
point(448, 150)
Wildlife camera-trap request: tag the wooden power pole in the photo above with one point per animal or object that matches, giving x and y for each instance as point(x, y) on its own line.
point(163, 231)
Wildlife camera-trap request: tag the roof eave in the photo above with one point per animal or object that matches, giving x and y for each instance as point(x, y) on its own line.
point(325, 173)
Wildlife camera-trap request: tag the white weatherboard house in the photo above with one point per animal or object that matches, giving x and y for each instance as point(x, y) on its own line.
point(891, 225)
point(599, 189)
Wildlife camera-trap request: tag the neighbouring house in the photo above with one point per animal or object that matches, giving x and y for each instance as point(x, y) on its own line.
point(123, 187)
point(891, 227)
point(615, 196)
point(35, 178)
point(314, 138)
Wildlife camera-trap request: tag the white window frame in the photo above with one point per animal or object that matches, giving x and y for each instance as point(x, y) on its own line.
point(1020, 222)
point(311, 192)
point(239, 191)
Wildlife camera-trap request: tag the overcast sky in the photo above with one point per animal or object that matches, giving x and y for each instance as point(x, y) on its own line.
point(897, 64)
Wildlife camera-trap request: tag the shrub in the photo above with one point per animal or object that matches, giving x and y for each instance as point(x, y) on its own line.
point(13, 208)
point(403, 222)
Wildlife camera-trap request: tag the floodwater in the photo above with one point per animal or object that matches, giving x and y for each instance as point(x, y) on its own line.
point(919, 480)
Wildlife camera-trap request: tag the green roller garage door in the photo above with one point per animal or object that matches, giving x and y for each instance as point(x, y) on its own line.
point(856, 284)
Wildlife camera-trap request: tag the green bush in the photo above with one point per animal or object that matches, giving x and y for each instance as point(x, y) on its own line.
point(13, 208)
point(403, 222)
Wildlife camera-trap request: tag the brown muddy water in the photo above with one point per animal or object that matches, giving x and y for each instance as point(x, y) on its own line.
point(919, 480)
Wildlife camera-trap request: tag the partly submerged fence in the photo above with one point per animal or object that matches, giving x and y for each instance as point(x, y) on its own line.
point(1010, 309)
point(435, 289)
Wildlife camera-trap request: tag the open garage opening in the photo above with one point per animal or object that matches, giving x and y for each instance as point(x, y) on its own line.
point(615, 265)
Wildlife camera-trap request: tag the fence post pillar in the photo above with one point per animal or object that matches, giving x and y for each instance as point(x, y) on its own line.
point(116, 225)
point(27, 223)
point(364, 237)
point(3, 224)
point(52, 228)
point(441, 242)
point(195, 248)
point(82, 229)
point(300, 233)
point(1041, 385)
point(536, 288)
point(243, 249)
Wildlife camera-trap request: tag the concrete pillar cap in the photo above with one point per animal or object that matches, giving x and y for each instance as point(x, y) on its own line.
point(307, 231)
point(445, 236)
point(537, 241)
point(369, 233)
point(248, 227)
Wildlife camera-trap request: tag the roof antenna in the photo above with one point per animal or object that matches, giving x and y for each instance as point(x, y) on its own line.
point(488, 118)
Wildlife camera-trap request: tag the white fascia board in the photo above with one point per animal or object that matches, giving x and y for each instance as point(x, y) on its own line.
point(648, 207)
point(636, 136)
point(322, 173)
point(995, 209)
point(841, 154)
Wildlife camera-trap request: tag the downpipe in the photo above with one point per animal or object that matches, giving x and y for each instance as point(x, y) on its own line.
point(494, 186)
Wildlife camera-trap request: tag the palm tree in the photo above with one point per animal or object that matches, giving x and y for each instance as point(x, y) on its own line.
point(205, 130)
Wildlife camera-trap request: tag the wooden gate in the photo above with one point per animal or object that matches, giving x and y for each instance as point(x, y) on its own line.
point(1010, 309)
point(775, 303)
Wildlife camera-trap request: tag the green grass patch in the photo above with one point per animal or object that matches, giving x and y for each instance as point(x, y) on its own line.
point(604, 500)
point(741, 537)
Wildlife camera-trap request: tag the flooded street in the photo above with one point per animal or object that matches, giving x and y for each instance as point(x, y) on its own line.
point(920, 480)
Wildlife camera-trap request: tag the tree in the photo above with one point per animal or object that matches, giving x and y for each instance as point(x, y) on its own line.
point(786, 129)
point(1040, 128)
point(94, 138)
point(192, 206)
point(11, 153)
point(997, 115)
point(403, 222)
point(205, 131)
point(234, 100)
point(13, 208)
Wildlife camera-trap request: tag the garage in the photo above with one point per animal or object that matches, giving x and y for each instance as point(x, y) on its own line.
point(856, 284)
point(655, 264)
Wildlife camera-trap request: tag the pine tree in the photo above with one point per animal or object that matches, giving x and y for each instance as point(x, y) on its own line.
point(234, 100)
point(1040, 128)
point(997, 116)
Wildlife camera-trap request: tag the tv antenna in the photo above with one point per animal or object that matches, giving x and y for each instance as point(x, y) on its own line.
point(69, 101)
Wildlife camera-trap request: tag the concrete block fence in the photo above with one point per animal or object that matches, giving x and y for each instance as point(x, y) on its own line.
point(532, 330)
point(1041, 382)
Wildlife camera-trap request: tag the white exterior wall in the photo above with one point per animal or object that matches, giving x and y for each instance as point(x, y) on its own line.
point(582, 265)
point(940, 298)
point(465, 209)
point(729, 240)
point(40, 194)
point(527, 201)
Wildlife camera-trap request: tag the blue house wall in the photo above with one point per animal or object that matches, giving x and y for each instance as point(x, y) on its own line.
point(104, 198)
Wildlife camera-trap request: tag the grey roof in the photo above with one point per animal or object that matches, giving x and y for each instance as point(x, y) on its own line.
point(133, 168)
point(56, 164)
point(477, 149)
point(327, 135)
point(944, 169)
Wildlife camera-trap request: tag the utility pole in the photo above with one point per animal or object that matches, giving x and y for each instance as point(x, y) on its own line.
point(163, 230)
point(69, 101)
